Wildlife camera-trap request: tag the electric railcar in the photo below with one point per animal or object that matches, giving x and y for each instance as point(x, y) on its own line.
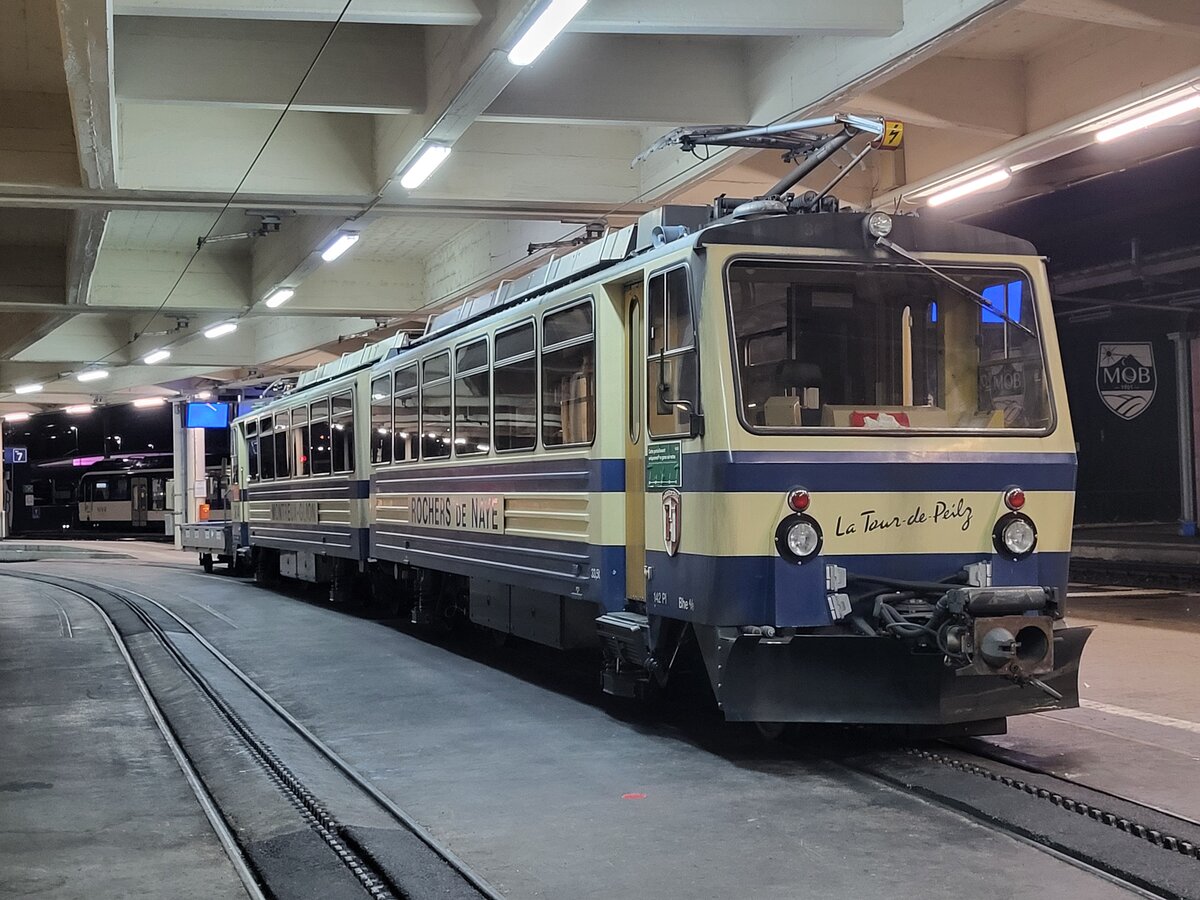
point(830, 448)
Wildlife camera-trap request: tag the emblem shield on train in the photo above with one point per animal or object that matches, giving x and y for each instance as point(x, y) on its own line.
point(1125, 378)
point(672, 503)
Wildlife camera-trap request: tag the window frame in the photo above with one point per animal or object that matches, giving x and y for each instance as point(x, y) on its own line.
point(312, 420)
point(486, 369)
point(532, 323)
point(333, 418)
point(293, 432)
point(540, 340)
point(651, 384)
point(448, 378)
point(842, 262)
point(413, 391)
point(387, 401)
point(271, 432)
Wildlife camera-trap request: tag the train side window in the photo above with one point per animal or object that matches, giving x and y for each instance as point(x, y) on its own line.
point(515, 386)
point(435, 407)
point(266, 447)
point(381, 420)
point(671, 372)
point(342, 431)
point(472, 399)
point(118, 487)
point(251, 430)
point(568, 376)
point(282, 467)
point(406, 412)
point(321, 443)
point(158, 493)
point(300, 442)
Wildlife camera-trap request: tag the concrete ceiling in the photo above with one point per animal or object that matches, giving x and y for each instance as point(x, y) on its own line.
point(130, 128)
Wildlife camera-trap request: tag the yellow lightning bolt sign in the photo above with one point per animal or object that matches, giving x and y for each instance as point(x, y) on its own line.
point(893, 135)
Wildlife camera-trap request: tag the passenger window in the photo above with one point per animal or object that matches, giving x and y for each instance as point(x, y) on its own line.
point(407, 415)
point(515, 384)
point(266, 447)
point(321, 455)
point(251, 431)
point(435, 407)
point(568, 377)
point(301, 449)
point(342, 431)
point(671, 372)
point(381, 420)
point(282, 469)
point(472, 400)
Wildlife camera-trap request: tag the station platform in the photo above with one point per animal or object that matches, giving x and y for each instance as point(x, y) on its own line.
point(93, 803)
point(1147, 551)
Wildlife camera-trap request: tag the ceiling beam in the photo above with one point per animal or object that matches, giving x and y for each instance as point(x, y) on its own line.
point(762, 17)
point(381, 12)
point(1151, 15)
point(365, 68)
point(86, 28)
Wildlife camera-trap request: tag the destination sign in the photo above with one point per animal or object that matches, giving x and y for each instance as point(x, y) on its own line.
point(461, 512)
point(295, 512)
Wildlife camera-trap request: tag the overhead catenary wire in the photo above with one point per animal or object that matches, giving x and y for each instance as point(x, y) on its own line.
point(234, 193)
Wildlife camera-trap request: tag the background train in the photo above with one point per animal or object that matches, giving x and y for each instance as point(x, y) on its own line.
point(828, 450)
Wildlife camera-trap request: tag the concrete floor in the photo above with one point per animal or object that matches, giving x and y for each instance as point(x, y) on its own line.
point(92, 802)
point(539, 785)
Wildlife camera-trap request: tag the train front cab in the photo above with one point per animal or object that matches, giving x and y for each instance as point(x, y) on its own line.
point(874, 526)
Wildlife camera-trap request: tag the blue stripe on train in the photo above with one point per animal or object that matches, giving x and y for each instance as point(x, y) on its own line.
point(761, 590)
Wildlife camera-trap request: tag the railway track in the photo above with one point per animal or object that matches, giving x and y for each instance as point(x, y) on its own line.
point(299, 821)
point(1150, 851)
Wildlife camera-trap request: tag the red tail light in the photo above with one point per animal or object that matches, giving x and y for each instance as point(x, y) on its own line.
point(1014, 498)
point(798, 500)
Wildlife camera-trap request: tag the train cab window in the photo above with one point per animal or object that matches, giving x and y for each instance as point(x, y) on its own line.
point(300, 442)
point(266, 447)
point(435, 407)
point(158, 493)
point(251, 430)
point(472, 399)
point(671, 372)
point(885, 348)
point(407, 414)
point(381, 420)
point(280, 439)
point(514, 381)
point(568, 376)
point(320, 461)
point(342, 431)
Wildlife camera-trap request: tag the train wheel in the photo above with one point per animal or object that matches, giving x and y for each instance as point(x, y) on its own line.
point(206, 562)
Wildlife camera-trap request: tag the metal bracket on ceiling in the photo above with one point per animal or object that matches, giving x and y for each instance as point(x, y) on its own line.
point(592, 231)
point(268, 224)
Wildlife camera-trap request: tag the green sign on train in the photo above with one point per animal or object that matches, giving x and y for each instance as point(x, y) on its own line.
point(664, 466)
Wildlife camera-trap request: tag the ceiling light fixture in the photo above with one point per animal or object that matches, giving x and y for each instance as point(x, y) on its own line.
point(545, 28)
point(92, 375)
point(221, 330)
point(994, 178)
point(147, 402)
point(279, 296)
point(419, 170)
point(204, 395)
point(27, 388)
point(343, 242)
point(78, 410)
point(156, 356)
point(17, 417)
point(1145, 120)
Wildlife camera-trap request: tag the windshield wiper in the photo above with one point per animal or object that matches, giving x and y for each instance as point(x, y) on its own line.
point(980, 300)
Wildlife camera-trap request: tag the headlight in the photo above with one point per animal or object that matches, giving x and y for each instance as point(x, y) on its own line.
point(879, 224)
point(798, 538)
point(1015, 536)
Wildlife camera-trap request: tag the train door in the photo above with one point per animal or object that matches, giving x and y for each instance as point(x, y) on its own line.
point(139, 502)
point(635, 446)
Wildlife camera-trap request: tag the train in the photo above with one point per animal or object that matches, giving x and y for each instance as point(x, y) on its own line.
point(825, 450)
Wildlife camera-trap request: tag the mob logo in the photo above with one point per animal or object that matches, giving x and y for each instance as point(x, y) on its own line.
point(1125, 378)
point(672, 504)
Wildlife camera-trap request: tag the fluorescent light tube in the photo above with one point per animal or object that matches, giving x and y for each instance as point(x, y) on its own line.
point(279, 296)
point(971, 186)
point(1145, 120)
point(17, 417)
point(156, 356)
point(27, 388)
point(545, 28)
point(146, 402)
point(92, 375)
point(344, 241)
point(423, 166)
point(78, 410)
point(221, 330)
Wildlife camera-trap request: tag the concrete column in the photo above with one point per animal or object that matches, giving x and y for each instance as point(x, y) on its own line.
point(197, 486)
point(1185, 394)
point(191, 488)
point(179, 475)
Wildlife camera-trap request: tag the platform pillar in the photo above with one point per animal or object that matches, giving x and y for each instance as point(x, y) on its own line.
point(191, 486)
point(1187, 367)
